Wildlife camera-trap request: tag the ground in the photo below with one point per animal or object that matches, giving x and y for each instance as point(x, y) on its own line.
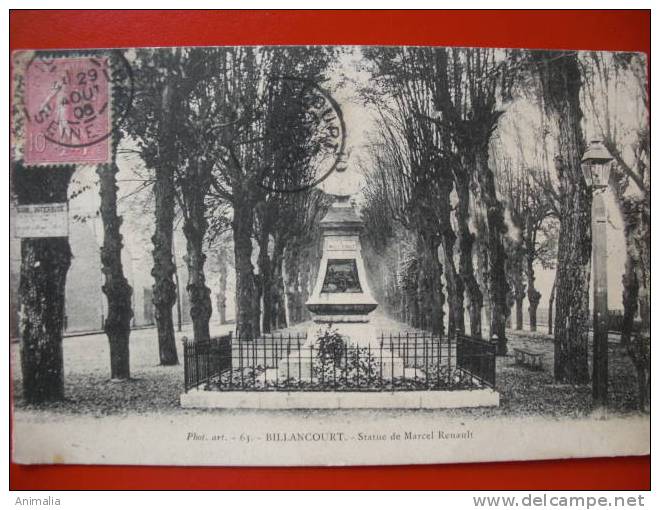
point(156, 389)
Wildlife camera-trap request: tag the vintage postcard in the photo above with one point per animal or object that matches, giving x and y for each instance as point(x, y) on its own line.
point(329, 255)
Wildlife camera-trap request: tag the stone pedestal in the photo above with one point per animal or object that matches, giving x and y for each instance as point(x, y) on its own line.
point(341, 296)
point(298, 365)
point(341, 299)
point(357, 332)
point(355, 329)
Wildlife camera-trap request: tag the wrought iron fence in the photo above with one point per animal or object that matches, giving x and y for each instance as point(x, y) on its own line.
point(288, 362)
point(477, 357)
point(205, 361)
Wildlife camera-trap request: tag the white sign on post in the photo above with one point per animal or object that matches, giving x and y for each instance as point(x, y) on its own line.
point(42, 220)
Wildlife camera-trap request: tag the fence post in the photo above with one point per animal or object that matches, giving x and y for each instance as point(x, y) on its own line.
point(369, 366)
point(392, 362)
point(493, 361)
point(209, 346)
point(380, 361)
point(240, 360)
point(299, 362)
point(186, 384)
point(449, 354)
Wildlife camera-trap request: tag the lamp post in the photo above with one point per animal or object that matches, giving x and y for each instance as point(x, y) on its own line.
point(596, 166)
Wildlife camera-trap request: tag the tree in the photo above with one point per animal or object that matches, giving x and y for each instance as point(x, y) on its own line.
point(194, 185)
point(44, 266)
point(302, 253)
point(617, 97)
point(548, 186)
point(219, 265)
point(163, 83)
point(409, 278)
point(469, 85)
point(416, 178)
point(561, 82)
point(530, 210)
point(399, 188)
point(202, 116)
point(118, 292)
point(254, 96)
point(473, 125)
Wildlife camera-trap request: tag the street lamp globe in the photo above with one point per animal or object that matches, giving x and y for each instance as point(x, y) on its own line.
point(596, 165)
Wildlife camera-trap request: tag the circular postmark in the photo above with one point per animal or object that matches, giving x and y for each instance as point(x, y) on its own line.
point(308, 136)
point(73, 103)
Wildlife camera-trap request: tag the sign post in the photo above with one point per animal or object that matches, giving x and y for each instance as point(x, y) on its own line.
point(42, 220)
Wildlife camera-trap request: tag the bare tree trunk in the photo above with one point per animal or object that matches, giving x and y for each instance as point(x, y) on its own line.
point(164, 293)
point(517, 279)
point(551, 306)
point(560, 77)
point(194, 228)
point(304, 282)
point(496, 228)
point(415, 309)
point(116, 288)
point(279, 306)
point(312, 261)
point(164, 290)
point(177, 286)
point(431, 298)
point(293, 298)
point(44, 266)
point(636, 284)
point(533, 295)
point(247, 318)
point(481, 275)
point(454, 286)
point(438, 314)
point(265, 281)
point(422, 294)
point(222, 291)
point(640, 346)
point(640, 353)
point(466, 267)
point(630, 297)
point(519, 311)
point(510, 301)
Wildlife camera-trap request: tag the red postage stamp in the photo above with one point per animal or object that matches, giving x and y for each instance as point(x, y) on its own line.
point(68, 111)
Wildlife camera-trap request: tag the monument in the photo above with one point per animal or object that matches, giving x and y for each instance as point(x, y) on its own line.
point(341, 301)
point(341, 298)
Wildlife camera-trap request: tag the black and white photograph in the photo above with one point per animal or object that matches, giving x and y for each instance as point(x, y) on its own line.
point(329, 255)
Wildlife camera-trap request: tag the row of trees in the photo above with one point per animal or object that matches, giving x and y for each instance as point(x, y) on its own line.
point(432, 168)
point(231, 141)
point(475, 171)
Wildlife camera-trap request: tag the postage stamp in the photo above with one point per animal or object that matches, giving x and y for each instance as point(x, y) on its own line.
point(68, 106)
point(68, 111)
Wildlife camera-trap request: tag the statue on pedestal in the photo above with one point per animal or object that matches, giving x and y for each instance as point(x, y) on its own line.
point(341, 302)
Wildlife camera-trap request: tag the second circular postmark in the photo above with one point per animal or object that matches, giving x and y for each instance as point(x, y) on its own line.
point(308, 136)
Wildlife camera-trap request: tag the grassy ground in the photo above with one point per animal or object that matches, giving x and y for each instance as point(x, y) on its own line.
point(524, 391)
point(87, 385)
point(156, 389)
